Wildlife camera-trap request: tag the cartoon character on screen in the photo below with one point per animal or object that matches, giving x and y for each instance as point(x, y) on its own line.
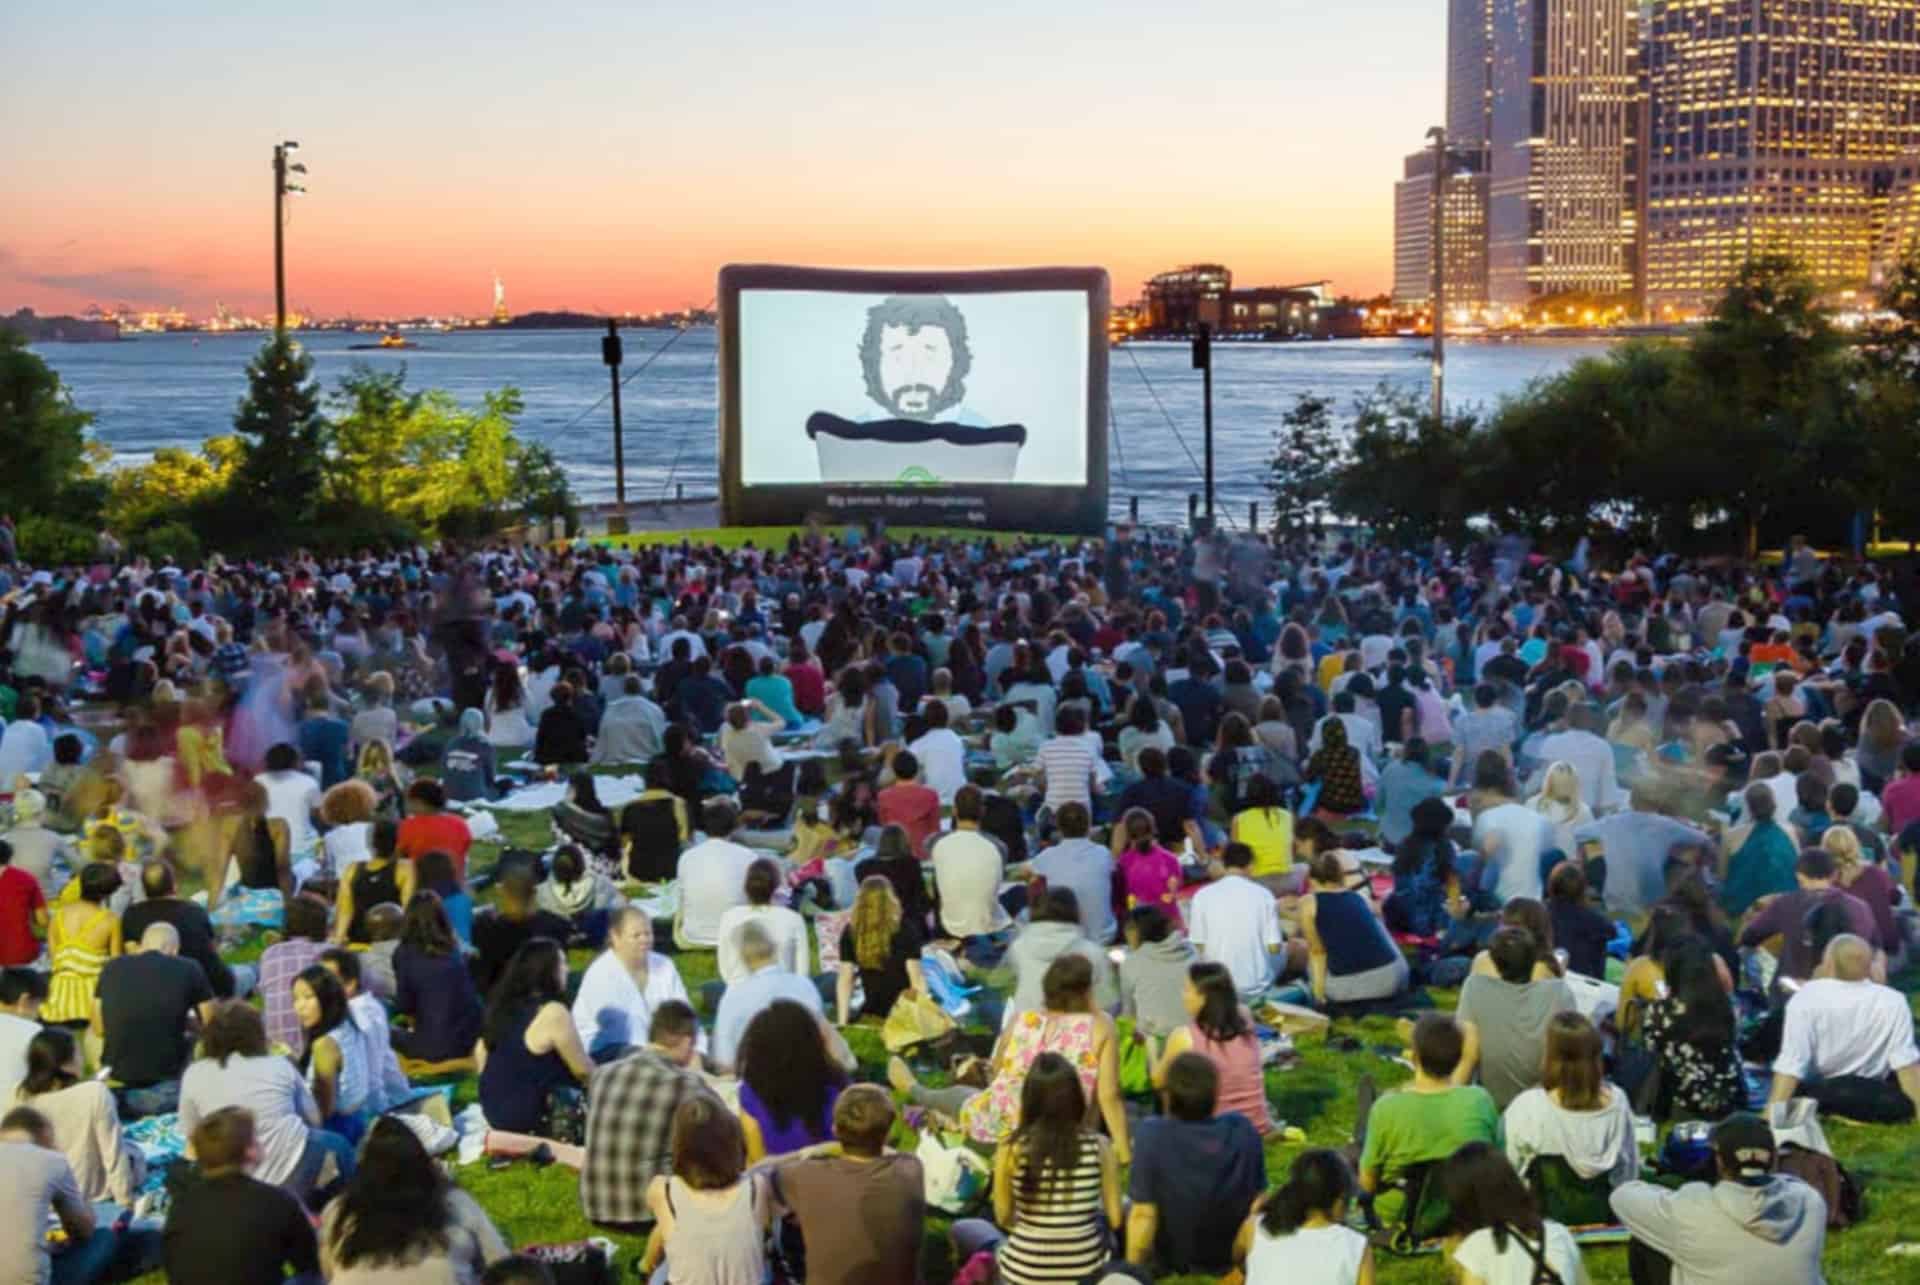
point(914, 360)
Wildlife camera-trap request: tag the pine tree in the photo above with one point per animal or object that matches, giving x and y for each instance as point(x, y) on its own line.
point(285, 434)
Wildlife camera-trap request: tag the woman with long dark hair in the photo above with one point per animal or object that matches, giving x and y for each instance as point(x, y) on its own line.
point(789, 1082)
point(1500, 1233)
point(333, 1052)
point(400, 1218)
point(1053, 1182)
point(1691, 1032)
point(1220, 1028)
point(1301, 1233)
point(529, 1051)
point(86, 1123)
point(583, 819)
point(433, 986)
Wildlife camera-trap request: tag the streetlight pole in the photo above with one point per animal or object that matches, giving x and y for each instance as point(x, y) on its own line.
point(610, 353)
point(1438, 136)
point(281, 190)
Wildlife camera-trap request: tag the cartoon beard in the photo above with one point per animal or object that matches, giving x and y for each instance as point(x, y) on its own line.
point(914, 401)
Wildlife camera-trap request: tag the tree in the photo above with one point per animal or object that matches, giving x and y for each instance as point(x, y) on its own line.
point(1409, 475)
point(47, 462)
point(1305, 458)
point(421, 456)
point(285, 435)
point(172, 485)
point(541, 488)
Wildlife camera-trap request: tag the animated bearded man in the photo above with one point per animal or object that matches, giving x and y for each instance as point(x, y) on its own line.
point(915, 358)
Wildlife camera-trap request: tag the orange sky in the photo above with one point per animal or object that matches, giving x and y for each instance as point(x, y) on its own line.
point(613, 158)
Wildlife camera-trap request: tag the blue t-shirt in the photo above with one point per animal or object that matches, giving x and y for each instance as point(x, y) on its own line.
point(1201, 1177)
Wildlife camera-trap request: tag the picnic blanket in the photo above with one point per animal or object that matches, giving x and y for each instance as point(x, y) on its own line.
point(161, 1144)
point(614, 791)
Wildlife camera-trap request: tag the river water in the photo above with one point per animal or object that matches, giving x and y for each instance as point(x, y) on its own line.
point(175, 390)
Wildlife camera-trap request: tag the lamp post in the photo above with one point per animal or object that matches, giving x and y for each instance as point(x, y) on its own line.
point(281, 191)
point(1438, 136)
point(611, 352)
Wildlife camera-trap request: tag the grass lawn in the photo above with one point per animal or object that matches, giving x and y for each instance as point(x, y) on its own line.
point(764, 537)
point(534, 1206)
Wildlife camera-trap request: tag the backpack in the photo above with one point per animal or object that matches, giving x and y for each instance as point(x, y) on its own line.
point(1846, 1199)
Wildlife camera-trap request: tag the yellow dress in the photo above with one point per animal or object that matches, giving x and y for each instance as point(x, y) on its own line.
point(76, 967)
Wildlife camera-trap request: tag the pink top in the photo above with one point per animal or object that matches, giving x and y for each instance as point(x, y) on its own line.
point(1150, 878)
point(1243, 1085)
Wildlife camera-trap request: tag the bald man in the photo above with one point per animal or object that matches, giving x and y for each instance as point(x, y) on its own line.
point(1848, 1041)
point(145, 1009)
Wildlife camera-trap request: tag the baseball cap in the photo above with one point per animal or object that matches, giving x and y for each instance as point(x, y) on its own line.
point(1744, 1145)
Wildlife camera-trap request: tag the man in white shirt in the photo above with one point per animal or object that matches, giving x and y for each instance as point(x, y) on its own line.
point(1841, 1023)
point(942, 754)
point(1235, 921)
point(967, 869)
point(623, 987)
point(1510, 837)
point(764, 983)
point(22, 991)
point(712, 877)
point(292, 796)
point(785, 928)
point(696, 646)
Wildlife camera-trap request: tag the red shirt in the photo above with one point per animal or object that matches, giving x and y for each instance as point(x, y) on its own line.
point(809, 688)
point(1901, 799)
point(437, 832)
point(914, 808)
point(20, 896)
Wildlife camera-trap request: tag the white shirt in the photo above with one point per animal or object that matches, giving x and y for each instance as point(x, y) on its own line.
point(943, 761)
point(612, 1010)
point(785, 928)
point(15, 1034)
point(1478, 1254)
point(713, 878)
point(1234, 921)
point(1310, 1255)
point(696, 647)
point(1514, 835)
point(967, 867)
point(1846, 1028)
point(1071, 769)
point(292, 797)
point(752, 995)
point(1596, 1142)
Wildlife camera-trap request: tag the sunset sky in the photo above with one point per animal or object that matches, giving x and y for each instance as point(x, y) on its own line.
point(611, 157)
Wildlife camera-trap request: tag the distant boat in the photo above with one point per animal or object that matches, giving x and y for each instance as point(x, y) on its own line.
point(392, 340)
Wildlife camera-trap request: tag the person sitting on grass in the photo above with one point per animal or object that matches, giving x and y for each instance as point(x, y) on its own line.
point(86, 1125)
point(1053, 930)
point(792, 1068)
point(1431, 1117)
point(401, 1217)
point(1504, 1019)
point(1573, 1120)
point(231, 1228)
point(335, 1060)
point(38, 1193)
point(1351, 958)
point(1195, 1176)
point(383, 877)
point(1749, 1224)
point(818, 1187)
point(579, 894)
point(879, 948)
point(1848, 1043)
point(511, 922)
point(1300, 1233)
point(433, 987)
point(630, 1111)
point(710, 1213)
point(1220, 1029)
point(624, 988)
point(1496, 1233)
point(1237, 922)
point(387, 1083)
point(532, 1063)
point(1054, 1180)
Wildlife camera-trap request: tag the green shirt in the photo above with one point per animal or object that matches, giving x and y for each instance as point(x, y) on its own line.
point(1408, 1128)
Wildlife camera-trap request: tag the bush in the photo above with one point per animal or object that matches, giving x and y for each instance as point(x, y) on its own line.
point(52, 542)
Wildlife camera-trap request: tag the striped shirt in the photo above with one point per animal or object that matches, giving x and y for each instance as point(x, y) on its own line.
point(1070, 764)
point(1059, 1233)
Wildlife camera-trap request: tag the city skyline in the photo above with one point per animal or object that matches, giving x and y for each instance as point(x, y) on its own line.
point(614, 160)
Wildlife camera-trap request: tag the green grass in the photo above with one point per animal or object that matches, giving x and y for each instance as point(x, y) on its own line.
point(1317, 1095)
point(764, 537)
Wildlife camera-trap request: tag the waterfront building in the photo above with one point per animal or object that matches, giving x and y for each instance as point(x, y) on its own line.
point(1470, 78)
point(1276, 310)
point(1178, 300)
point(1778, 126)
point(1463, 232)
point(1563, 185)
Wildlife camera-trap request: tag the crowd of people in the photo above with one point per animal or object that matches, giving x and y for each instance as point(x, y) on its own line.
point(1103, 820)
